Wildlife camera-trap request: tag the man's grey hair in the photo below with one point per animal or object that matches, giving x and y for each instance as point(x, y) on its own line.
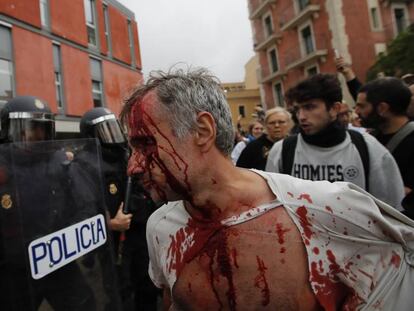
point(183, 94)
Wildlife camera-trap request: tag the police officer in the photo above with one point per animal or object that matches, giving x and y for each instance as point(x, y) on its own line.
point(137, 291)
point(102, 124)
point(37, 198)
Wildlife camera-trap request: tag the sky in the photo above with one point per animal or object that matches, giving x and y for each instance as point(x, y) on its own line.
point(215, 34)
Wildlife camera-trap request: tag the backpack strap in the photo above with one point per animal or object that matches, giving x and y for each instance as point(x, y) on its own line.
point(399, 136)
point(288, 153)
point(358, 140)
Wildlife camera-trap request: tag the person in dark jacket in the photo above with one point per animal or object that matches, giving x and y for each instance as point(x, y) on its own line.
point(278, 123)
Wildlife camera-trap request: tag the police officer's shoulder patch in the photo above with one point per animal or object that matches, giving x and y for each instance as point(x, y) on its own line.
point(6, 201)
point(112, 188)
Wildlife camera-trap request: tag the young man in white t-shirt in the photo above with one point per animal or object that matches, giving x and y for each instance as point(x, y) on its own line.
point(228, 238)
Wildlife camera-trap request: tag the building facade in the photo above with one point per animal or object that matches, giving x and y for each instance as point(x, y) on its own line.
point(244, 96)
point(75, 54)
point(297, 38)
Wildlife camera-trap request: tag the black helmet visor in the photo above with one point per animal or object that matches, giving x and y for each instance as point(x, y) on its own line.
point(108, 130)
point(31, 126)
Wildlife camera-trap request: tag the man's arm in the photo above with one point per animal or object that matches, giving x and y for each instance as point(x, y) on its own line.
point(351, 79)
point(273, 163)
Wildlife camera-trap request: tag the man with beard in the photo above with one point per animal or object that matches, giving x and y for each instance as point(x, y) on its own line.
point(382, 105)
point(229, 238)
point(325, 150)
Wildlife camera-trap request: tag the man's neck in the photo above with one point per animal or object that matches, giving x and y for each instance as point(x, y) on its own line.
point(393, 124)
point(224, 194)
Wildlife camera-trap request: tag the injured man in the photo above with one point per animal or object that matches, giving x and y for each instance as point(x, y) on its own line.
point(226, 238)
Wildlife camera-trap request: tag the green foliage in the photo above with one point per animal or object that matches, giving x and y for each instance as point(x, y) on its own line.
point(399, 58)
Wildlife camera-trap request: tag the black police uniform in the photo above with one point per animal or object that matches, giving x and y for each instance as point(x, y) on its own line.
point(137, 290)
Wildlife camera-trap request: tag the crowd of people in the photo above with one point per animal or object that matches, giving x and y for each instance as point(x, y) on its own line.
point(370, 145)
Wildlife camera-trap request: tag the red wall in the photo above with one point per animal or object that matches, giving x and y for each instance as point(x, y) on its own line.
point(77, 80)
point(68, 20)
point(27, 11)
point(361, 42)
point(120, 39)
point(33, 57)
point(119, 82)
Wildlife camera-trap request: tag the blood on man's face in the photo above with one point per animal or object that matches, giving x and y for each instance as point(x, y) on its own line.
point(158, 156)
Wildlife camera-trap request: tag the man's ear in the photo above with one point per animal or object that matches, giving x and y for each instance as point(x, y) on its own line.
point(334, 109)
point(206, 131)
point(383, 108)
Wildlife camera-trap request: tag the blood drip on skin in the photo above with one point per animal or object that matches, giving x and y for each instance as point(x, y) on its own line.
point(283, 250)
point(218, 248)
point(234, 257)
point(281, 233)
point(187, 244)
point(140, 135)
point(302, 213)
point(305, 196)
point(395, 260)
point(261, 282)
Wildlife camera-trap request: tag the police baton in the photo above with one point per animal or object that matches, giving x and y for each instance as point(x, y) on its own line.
point(125, 208)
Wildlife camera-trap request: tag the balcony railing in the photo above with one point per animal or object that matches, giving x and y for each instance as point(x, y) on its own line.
point(290, 19)
point(256, 11)
point(264, 44)
point(299, 56)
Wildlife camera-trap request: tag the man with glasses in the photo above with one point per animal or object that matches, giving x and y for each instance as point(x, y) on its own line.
point(325, 150)
point(278, 122)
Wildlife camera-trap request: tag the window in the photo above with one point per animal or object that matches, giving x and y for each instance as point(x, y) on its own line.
point(274, 66)
point(58, 76)
point(107, 32)
point(375, 19)
point(311, 71)
point(90, 21)
point(268, 25)
point(131, 43)
point(96, 74)
point(306, 34)
point(302, 4)
point(44, 13)
point(278, 94)
point(6, 65)
point(400, 20)
point(242, 111)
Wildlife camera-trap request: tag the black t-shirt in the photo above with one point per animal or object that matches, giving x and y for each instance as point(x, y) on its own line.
point(403, 155)
point(255, 154)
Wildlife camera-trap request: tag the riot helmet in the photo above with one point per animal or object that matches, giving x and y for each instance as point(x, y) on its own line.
point(101, 123)
point(26, 119)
